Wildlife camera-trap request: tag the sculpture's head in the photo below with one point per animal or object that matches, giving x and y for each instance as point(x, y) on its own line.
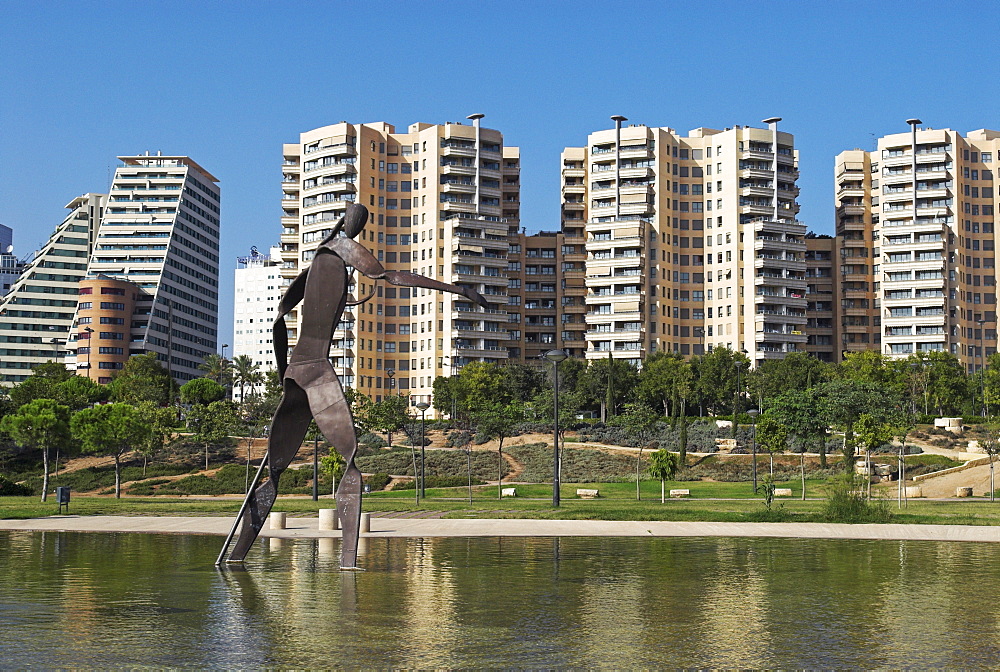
point(355, 219)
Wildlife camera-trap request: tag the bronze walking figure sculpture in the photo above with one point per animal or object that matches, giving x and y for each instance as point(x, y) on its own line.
point(311, 388)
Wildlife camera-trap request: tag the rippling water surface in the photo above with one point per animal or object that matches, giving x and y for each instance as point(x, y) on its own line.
point(100, 600)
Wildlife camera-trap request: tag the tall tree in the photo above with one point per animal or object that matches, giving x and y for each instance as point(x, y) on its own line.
point(523, 381)
point(111, 429)
point(593, 385)
point(78, 392)
point(218, 368)
point(245, 372)
point(772, 436)
point(142, 378)
point(873, 432)
point(844, 400)
point(211, 423)
point(640, 423)
point(162, 424)
point(795, 371)
point(716, 379)
point(663, 466)
point(497, 420)
point(41, 424)
point(40, 384)
point(663, 375)
point(202, 391)
point(801, 413)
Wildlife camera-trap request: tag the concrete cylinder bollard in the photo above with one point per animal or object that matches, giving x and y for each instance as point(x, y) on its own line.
point(366, 522)
point(913, 491)
point(328, 519)
point(326, 545)
point(963, 491)
point(277, 519)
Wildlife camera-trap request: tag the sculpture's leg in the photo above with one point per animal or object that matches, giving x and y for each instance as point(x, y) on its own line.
point(288, 429)
point(337, 425)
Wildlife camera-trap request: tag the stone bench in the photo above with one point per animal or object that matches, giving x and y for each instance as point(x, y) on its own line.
point(912, 491)
point(782, 492)
point(681, 492)
point(963, 491)
point(508, 492)
point(586, 493)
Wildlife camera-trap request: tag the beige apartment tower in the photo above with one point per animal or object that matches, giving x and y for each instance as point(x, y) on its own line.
point(915, 219)
point(443, 201)
point(692, 242)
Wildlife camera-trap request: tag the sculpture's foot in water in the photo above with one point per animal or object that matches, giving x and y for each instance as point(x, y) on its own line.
point(261, 501)
point(349, 511)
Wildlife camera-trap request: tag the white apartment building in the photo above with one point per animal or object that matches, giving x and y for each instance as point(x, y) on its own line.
point(442, 200)
point(927, 198)
point(37, 312)
point(10, 265)
point(160, 231)
point(258, 291)
point(692, 241)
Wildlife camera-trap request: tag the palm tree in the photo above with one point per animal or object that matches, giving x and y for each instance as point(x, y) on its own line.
point(245, 372)
point(217, 368)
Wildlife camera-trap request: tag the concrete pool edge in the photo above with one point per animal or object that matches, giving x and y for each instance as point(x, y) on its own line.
point(307, 528)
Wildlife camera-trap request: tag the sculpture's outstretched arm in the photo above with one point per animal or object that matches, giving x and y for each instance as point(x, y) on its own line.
point(408, 279)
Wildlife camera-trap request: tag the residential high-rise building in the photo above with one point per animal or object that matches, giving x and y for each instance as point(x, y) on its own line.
point(106, 307)
point(37, 312)
point(545, 292)
point(691, 241)
point(160, 232)
point(916, 221)
point(258, 291)
point(822, 329)
point(443, 200)
point(10, 265)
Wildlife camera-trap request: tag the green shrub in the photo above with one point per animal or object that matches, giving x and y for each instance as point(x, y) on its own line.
point(9, 488)
point(437, 482)
point(847, 502)
point(377, 481)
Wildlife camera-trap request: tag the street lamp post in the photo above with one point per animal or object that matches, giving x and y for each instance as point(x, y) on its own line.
point(55, 348)
point(423, 406)
point(315, 489)
point(391, 373)
point(90, 347)
point(555, 356)
point(753, 443)
point(982, 370)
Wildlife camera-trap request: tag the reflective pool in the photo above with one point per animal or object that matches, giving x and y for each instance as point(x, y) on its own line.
point(102, 600)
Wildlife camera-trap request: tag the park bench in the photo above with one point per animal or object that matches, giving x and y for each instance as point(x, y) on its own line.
point(682, 492)
point(508, 492)
point(586, 493)
point(782, 492)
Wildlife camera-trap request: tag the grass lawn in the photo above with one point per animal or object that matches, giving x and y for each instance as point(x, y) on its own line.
point(709, 501)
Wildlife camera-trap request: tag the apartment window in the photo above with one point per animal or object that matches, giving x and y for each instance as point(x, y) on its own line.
point(108, 305)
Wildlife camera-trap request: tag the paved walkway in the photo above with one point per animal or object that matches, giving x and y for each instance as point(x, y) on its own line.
point(307, 528)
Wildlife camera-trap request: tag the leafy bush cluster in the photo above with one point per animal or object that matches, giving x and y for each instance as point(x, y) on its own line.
point(229, 480)
point(701, 435)
point(438, 482)
point(439, 463)
point(10, 489)
point(578, 465)
point(97, 478)
point(847, 502)
point(732, 471)
point(377, 481)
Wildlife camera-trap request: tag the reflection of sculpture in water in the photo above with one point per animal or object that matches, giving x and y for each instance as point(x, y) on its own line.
point(312, 389)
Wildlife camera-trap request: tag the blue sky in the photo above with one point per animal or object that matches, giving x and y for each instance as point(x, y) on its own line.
point(228, 82)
